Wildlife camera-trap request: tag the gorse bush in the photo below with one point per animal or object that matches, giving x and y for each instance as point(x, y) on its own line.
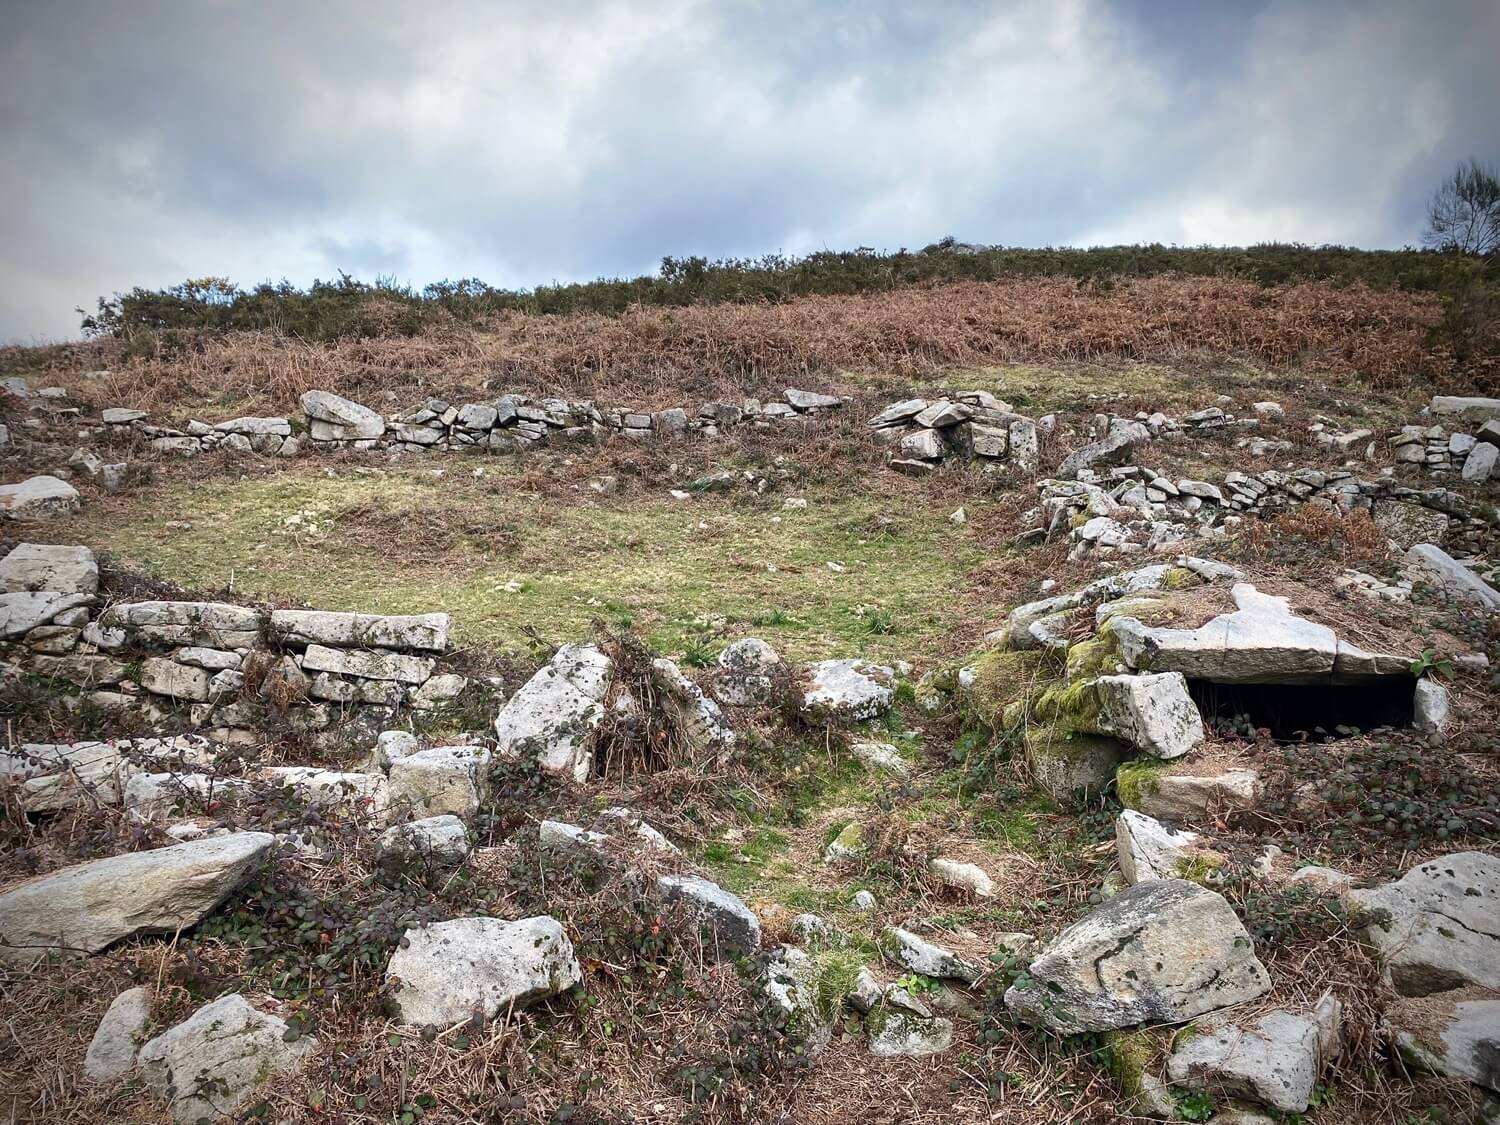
point(348, 308)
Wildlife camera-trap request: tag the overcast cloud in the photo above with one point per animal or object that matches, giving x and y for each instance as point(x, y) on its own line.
point(521, 142)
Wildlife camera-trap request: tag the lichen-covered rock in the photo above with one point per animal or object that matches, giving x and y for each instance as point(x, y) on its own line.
point(425, 631)
point(338, 419)
point(553, 713)
point(211, 624)
point(441, 840)
point(63, 776)
point(728, 926)
point(1154, 713)
point(747, 674)
point(1065, 762)
point(38, 498)
point(23, 611)
point(897, 1033)
point(210, 1065)
point(1161, 951)
point(962, 876)
point(1150, 787)
point(82, 909)
point(1437, 568)
point(452, 971)
point(702, 722)
point(808, 991)
point(847, 690)
point(1277, 1062)
point(922, 956)
point(368, 664)
point(438, 780)
point(113, 1049)
point(1438, 926)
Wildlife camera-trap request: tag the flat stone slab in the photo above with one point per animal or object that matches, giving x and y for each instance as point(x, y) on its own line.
point(1444, 924)
point(82, 909)
point(212, 624)
point(427, 631)
point(1260, 642)
point(1454, 1033)
point(1162, 951)
point(43, 566)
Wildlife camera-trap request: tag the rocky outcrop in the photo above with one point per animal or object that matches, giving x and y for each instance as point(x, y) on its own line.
point(449, 972)
point(211, 1065)
point(81, 910)
point(1161, 951)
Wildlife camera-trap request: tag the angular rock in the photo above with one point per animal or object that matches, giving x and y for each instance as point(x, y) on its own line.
point(427, 631)
point(552, 714)
point(450, 972)
point(22, 612)
point(811, 400)
point(921, 445)
point(1148, 849)
point(38, 566)
point(176, 681)
point(1260, 642)
point(210, 624)
point(1187, 797)
point(438, 690)
point(1443, 927)
point(391, 746)
point(1437, 567)
point(896, 1033)
point(899, 412)
point(438, 839)
point(438, 780)
point(1470, 409)
point(1430, 706)
point(1409, 524)
point(1275, 1063)
point(53, 777)
point(39, 498)
point(701, 720)
point(1154, 713)
point(747, 673)
point(727, 925)
point(341, 418)
point(962, 876)
point(846, 690)
point(1161, 951)
point(792, 990)
point(113, 1049)
point(881, 756)
point(211, 1065)
point(82, 909)
point(1114, 449)
point(922, 956)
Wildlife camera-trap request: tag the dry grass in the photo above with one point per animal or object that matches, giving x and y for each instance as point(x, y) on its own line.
point(651, 356)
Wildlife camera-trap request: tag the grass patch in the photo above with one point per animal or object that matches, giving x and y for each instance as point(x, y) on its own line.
point(504, 561)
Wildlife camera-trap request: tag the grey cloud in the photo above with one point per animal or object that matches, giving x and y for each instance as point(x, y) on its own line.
point(528, 142)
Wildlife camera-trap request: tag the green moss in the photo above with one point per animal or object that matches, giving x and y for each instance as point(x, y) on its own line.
point(1138, 779)
point(1199, 867)
point(849, 840)
point(1180, 578)
point(1074, 706)
point(1003, 681)
point(1128, 1055)
point(1096, 656)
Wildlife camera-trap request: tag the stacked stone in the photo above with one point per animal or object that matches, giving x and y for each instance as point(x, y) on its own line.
point(1130, 508)
point(198, 653)
point(967, 425)
point(1441, 451)
point(268, 435)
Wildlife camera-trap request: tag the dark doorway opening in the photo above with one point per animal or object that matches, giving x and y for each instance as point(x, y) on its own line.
point(1295, 711)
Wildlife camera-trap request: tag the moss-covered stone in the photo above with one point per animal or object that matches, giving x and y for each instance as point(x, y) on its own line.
point(849, 843)
point(1180, 578)
point(1066, 761)
point(1002, 679)
point(1138, 779)
point(1128, 1055)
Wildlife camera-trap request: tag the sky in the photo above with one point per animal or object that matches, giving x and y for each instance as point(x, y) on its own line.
point(521, 142)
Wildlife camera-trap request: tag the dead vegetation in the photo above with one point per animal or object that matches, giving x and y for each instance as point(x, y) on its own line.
point(648, 357)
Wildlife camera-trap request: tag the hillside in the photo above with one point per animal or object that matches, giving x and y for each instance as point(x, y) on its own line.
point(970, 684)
